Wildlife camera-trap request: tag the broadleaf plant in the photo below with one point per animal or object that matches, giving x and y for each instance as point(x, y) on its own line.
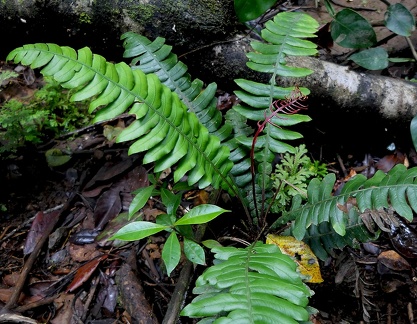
point(351, 30)
point(171, 251)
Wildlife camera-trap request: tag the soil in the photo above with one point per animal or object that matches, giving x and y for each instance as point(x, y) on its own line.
point(372, 283)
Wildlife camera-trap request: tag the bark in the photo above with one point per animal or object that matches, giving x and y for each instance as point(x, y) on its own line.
point(99, 24)
point(347, 90)
point(132, 294)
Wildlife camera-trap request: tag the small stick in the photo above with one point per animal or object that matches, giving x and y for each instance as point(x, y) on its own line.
point(342, 166)
point(11, 303)
point(410, 313)
point(389, 313)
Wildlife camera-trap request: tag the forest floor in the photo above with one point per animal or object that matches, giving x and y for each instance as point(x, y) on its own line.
point(76, 276)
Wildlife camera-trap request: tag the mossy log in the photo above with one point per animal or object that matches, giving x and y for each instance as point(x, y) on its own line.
point(100, 23)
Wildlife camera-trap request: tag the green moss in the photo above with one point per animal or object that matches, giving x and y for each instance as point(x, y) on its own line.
point(85, 18)
point(142, 12)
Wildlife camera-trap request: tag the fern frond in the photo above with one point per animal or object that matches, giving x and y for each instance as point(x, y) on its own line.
point(323, 240)
point(156, 57)
point(257, 284)
point(239, 154)
point(163, 126)
point(284, 35)
point(397, 190)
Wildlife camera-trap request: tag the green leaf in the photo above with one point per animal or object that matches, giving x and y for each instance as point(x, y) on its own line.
point(194, 252)
point(166, 220)
point(156, 57)
point(201, 214)
point(329, 8)
point(170, 200)
point(400, 20)
point(211, 243)
point(55, 157)
point(164, 127)
point(142, 196)
point(138, 230)
point(349, 29)
point(371, 59)
point(251, 9)
point(413, 130)
point(171, 253)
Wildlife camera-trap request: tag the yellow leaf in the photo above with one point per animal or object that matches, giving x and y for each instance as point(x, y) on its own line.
point(301, 253)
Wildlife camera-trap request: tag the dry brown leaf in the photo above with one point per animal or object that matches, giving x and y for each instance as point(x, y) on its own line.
point(393, 261)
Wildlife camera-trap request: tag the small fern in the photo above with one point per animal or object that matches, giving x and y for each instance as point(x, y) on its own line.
point(257, 284)
point(291, 177)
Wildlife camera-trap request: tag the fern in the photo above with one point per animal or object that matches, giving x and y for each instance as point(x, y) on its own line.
point(156, 57)
point(291, 177)
point(163, 126)
point(176, 125)
point(323, 240)
point(257, 284)
point(285, 36)
point(397, 190)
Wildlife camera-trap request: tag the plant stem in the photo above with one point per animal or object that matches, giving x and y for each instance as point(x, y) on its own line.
point(386, 2)
point(413, 50)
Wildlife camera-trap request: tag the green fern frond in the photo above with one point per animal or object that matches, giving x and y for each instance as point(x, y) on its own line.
point(397, 190)
point(257, 284)
point(239, 154)
point(284, 35)
point(323, 240)
point(163, 126)
point(156, 57)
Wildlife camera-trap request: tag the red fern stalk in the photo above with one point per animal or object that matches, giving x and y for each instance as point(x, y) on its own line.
point(289, 106)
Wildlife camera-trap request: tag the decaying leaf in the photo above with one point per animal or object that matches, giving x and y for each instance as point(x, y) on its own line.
point(301, 253)
point(37, 230)
point(199, 197)
point(389, 161)
point(108, 207)
point(392, 260)
point(84, 273)
point(108, 172)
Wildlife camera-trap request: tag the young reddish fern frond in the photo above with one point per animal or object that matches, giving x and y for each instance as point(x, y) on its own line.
point(289, 106)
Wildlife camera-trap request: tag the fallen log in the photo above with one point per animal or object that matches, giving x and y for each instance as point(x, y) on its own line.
point(345, 89)
point(339, 88)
